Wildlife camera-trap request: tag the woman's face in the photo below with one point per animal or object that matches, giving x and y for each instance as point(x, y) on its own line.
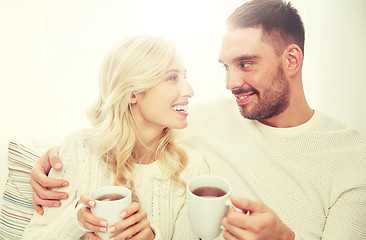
point(166, 104)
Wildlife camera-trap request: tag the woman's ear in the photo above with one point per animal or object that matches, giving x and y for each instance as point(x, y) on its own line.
point(293, 58)
point(133, 99)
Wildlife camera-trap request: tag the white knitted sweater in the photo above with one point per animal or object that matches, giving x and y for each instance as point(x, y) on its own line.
point(162, 200)
point(313, 176)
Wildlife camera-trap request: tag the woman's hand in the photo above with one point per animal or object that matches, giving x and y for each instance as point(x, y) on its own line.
point(88, 220)
point(134, 224)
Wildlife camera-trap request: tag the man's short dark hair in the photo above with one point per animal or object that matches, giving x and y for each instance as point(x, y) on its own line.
point(280, 23)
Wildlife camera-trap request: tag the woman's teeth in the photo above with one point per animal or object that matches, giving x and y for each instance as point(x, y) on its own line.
point(180, 108)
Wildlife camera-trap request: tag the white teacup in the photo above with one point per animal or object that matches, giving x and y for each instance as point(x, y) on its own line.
point(109, 203)
point(207, 206)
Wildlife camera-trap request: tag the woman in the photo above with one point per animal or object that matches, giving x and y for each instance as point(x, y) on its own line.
point(143, 97)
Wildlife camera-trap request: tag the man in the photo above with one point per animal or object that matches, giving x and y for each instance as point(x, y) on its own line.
point(300, 173)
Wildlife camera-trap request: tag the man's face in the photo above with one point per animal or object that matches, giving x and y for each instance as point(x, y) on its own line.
point(254, 74)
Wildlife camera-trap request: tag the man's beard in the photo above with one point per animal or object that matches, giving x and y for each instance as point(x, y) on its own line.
point(273, 101)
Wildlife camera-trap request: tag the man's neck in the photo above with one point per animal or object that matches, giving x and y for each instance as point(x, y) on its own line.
point(293, 116)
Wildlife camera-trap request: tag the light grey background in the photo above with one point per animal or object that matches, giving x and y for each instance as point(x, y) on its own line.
point(50, 52)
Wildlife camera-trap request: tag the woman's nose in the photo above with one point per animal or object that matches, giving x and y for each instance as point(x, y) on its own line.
point(186, 90)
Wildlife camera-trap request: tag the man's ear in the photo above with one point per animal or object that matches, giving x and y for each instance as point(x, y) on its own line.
point(292, 59)
point(133, 99)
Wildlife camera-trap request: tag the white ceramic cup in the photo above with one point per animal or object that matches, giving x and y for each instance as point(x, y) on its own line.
point(206, 213)
point(108, 210)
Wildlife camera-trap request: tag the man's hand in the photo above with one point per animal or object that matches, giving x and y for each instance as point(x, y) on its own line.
point(40, 181)
point(262, 223)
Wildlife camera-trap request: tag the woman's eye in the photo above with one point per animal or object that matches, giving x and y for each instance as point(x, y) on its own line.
point(173, 78)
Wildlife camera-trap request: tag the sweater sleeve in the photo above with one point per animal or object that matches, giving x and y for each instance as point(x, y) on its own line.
point(58, 222)
point(197, 166)
point(347, 215)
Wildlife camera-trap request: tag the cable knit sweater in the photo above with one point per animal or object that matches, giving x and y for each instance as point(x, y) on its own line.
point(313, 176)
point(162, 200)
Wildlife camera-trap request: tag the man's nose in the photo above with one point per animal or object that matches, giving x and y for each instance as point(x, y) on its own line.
point(233, 80)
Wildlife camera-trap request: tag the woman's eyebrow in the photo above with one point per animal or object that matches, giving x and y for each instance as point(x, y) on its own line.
point(175, 70)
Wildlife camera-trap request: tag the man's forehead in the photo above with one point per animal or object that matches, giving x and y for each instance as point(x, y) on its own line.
point(240, 42)
point(243, 33)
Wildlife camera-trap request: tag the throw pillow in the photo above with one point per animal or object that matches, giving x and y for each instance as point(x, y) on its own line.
point(17, 208)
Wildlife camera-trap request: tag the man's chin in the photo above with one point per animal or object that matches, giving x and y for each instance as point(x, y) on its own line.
point(245, 113)
point(250, 114)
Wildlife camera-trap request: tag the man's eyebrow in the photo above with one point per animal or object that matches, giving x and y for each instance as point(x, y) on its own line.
point(245, 57)
point(242, 58)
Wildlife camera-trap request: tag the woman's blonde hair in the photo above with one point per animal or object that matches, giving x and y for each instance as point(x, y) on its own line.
point(133, 66)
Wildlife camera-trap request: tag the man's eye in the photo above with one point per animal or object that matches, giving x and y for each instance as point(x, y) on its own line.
point(226, 67)
point(244, 65)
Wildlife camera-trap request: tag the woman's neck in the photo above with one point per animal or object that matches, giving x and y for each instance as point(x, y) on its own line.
point(144, 157)
point(144, 152)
